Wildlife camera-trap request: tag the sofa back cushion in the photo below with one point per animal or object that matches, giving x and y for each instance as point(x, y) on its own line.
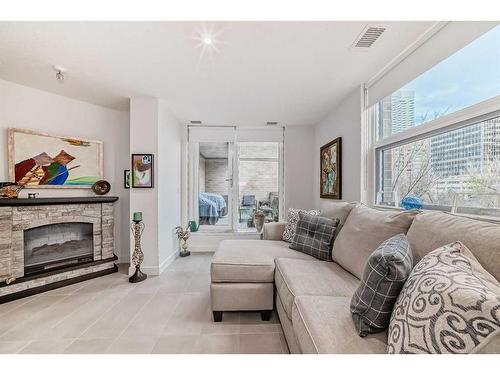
point(431, 230)
point(338, 210)
point(364, 230)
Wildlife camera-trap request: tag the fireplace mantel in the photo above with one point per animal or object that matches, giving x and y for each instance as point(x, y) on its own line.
point(12, 202)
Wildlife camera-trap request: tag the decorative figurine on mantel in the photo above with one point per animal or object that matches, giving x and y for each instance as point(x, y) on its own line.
point(137, 229)
point(183, 235)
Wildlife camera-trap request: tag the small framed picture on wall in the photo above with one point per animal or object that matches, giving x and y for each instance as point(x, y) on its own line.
point(331, 170)
point(126, 178)
point(142, 175)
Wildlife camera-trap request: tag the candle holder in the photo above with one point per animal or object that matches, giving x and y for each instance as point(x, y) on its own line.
point(137, 228)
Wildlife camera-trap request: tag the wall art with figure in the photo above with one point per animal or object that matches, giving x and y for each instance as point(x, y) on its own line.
point(331, 168)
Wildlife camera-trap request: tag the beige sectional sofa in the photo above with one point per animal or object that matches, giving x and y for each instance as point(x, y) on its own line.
point(312, 297)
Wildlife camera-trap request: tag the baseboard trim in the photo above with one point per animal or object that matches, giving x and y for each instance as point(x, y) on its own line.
point(155, 270)
point(167, 262)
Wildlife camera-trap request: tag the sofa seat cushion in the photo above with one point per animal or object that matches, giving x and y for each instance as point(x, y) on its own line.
point(249, 261)
point(323, 325)
point(297, 277)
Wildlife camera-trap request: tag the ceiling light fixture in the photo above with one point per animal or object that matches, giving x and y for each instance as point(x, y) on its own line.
point(207, 40)
point(59, 73)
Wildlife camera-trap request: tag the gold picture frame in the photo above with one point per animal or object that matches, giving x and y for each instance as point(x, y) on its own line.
point(330, 179)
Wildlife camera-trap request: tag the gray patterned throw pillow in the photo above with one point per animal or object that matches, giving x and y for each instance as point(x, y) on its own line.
point(449, 304)
point(292, 219)
point(314, 236)
point(385, 273)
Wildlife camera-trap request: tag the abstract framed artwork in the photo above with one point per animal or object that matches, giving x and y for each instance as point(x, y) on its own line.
point(39, 160)
point(126, 178)
point(331, 170)
point(142, 174)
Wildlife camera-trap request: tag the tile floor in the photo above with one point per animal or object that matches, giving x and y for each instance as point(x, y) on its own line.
point(164, 314)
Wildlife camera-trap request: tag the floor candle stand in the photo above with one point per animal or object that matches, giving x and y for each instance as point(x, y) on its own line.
point(138, 256)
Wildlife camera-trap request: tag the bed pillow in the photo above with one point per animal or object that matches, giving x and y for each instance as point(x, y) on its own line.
point(449, 304)
point(292, 219)
point(314, 236)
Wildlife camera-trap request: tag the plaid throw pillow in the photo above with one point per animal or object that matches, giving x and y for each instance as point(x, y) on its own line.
point(291, 222)
point(384, 276)
point(314, 235)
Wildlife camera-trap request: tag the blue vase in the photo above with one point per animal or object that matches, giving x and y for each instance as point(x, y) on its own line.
point(411, 202)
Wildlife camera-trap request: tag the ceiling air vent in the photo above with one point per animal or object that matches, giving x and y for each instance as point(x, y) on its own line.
point(369, 36)
point(195, 122)
point(272, 123)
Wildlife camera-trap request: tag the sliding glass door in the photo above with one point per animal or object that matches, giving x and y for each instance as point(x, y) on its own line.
point(231, 177)
point(258, 182)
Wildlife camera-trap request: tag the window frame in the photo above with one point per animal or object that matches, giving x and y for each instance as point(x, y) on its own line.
point(476, 113)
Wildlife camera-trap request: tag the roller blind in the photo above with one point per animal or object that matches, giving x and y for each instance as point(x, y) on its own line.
point(451, 38)
point(274, 134)
point(212, 133)
point(233, 134)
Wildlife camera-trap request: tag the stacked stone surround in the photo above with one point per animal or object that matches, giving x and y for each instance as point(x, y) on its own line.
point(15, 219)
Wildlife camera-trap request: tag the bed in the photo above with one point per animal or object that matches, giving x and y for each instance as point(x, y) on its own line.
point(211, 207)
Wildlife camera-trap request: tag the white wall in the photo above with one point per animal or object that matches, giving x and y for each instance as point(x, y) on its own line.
point(300, 159)
point(169, 184)
point(144, 139)
point(153, 129)
point(343, 121)
point(28, 108)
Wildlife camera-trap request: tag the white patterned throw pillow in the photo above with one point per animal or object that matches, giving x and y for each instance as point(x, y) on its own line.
point(449, 304)
point(292, 220)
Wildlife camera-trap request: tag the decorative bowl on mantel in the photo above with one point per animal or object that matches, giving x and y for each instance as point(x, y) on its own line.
point(9, 189)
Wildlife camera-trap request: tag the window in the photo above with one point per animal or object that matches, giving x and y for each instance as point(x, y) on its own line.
point(438, 138)
point(469, 76)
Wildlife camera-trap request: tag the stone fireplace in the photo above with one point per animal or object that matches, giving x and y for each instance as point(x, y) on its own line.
point(47, 243)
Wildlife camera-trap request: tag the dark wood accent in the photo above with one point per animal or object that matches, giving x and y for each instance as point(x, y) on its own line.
point(217, 316)
point(51, 201)
point(266, 315)
point(60, 270)
point(58, 284)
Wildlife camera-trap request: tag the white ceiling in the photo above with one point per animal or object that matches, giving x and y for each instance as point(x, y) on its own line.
point(290, 72)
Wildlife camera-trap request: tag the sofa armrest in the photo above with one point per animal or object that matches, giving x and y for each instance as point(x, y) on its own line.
point(273, 231)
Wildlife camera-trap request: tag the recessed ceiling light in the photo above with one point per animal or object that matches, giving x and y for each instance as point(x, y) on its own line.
point(207, 40)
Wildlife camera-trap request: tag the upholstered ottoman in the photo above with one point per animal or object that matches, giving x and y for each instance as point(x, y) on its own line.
point(242, 275)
